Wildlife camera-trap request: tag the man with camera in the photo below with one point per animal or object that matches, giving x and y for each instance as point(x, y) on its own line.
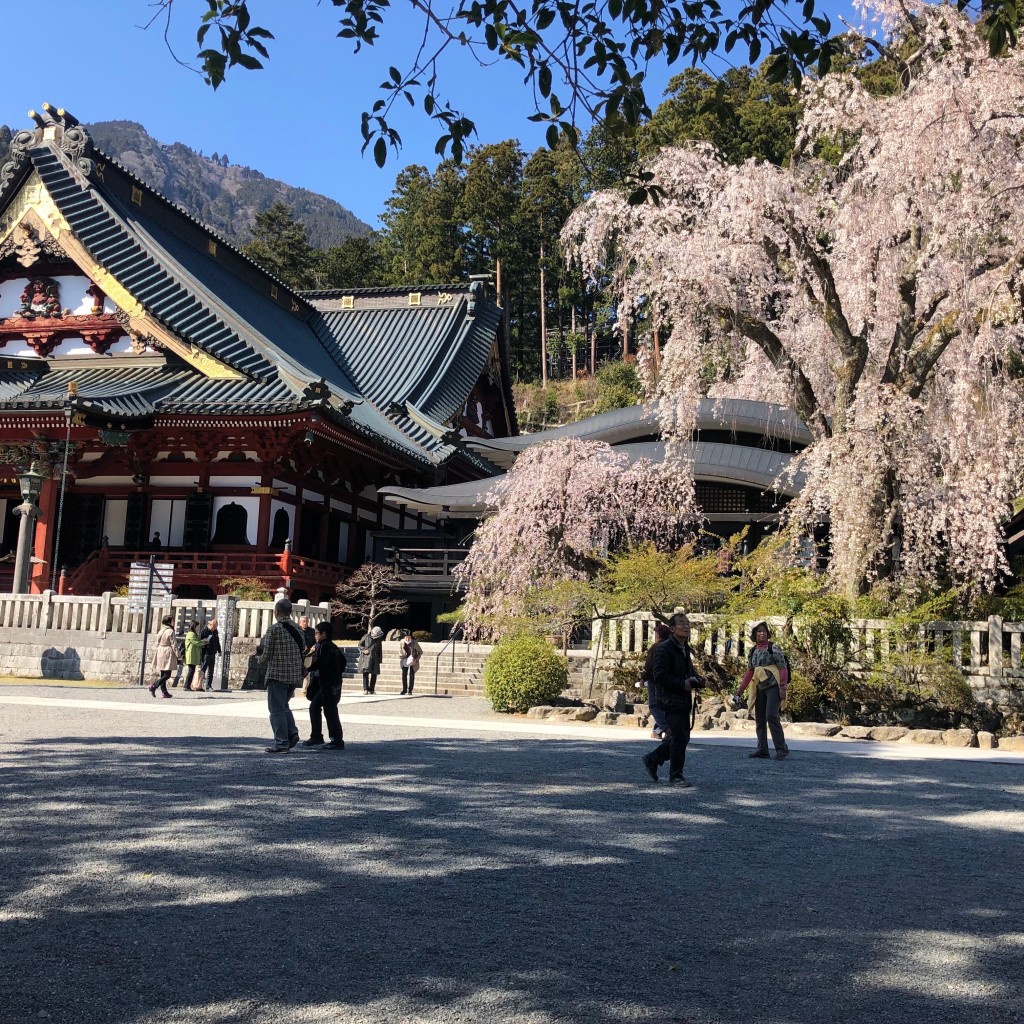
point(674, 680)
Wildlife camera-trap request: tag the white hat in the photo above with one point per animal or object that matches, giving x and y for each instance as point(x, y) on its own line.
point(376, 632)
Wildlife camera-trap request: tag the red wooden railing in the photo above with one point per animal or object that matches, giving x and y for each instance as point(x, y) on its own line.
point(107, 568)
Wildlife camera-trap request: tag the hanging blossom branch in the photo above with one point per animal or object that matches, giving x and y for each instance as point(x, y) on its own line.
point(562, 507)
point(879, 295)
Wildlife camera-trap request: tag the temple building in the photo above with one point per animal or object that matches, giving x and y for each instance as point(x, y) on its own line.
point(168, 394)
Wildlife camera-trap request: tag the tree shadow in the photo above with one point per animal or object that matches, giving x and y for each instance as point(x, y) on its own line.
point(161, 879)
point(57, 664)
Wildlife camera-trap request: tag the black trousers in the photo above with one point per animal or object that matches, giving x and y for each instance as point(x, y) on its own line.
point(673, 749)
point(408, 678)
point(325, 701)
point(208, 667)
point(369, 682)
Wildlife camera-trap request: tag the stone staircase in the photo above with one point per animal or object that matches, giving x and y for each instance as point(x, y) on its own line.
point(459, 673)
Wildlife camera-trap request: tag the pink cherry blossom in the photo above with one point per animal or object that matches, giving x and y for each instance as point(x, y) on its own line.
point(879, 295)
point(559, 510)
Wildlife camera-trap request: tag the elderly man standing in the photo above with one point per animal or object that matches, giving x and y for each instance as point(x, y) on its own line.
point(282, 650)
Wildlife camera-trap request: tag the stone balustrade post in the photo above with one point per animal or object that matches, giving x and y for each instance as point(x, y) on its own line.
point(995, 647)
point(106, 612)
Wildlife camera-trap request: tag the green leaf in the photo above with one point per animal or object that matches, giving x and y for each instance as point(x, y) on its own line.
point(544, 80)
point(380, 152)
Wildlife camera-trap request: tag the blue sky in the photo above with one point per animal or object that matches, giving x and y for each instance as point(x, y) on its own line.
point(297, 120)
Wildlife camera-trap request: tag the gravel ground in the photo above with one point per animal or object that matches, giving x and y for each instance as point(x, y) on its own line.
point(159, 869)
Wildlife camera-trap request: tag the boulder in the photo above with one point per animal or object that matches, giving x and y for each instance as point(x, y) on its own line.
point(815, 728)
point(705, 722)
point(856, 732)
point(540, 711)
point(607, 718)
point(959, 738)
point(1011, 743)
point(925, 736)
point(888, 733)
point(615, 700)
point(741, 715)
point(986, 740)
point(584, 714)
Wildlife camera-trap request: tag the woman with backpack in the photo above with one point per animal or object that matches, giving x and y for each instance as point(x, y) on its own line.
point(768, 669)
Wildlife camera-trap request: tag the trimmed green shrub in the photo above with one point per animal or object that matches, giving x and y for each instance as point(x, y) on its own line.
point(524, 671)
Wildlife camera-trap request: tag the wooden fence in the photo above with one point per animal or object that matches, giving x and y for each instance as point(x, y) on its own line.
point(984, 648)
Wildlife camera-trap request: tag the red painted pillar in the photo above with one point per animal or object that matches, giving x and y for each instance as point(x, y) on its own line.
point(263, 525)
point(46, 525)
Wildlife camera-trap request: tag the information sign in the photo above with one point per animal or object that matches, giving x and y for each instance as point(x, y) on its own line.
point(139, 579)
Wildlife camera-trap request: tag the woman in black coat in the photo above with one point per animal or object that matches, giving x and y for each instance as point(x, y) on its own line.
point(324, 690)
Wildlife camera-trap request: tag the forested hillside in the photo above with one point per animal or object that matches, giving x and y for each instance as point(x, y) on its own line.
point(224, 195)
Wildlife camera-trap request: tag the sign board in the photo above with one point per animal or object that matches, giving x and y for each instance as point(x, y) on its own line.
point(139, 580)
point(227, 614)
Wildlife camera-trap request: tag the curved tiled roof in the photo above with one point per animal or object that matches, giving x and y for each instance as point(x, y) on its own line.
point(713, 461)
point(426, 356)
point(622, 425)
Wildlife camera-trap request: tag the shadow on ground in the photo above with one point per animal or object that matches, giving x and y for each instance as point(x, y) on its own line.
point(192, 880)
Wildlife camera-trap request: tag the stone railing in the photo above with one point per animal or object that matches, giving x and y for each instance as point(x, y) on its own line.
point(109, 614)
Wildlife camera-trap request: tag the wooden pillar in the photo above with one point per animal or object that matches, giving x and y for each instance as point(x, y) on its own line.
point(263, 523)
point(325, 526)
point(46, 527)
point(297, 517)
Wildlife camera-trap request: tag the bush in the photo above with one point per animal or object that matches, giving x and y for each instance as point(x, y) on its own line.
point(803, 699)
point(618, 386)
point(424, 636)
point(626, 674)
point(247, 588)
point(522, 672)
point(918, 686)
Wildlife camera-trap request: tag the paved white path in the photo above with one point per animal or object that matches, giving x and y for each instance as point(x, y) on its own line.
point(253, 706)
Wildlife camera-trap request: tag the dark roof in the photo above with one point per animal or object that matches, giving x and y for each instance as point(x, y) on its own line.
point(427, 356)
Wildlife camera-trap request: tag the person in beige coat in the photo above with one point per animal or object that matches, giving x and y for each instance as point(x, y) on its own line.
point(165, 658)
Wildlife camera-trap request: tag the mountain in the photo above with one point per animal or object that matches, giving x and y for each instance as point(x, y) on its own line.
point(224, 195)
